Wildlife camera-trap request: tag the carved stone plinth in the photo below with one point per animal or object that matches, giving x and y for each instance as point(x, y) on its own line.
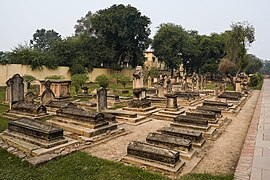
point(169, 141)
point(155, 153)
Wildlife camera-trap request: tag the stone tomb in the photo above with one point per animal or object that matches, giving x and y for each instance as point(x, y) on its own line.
point(34, 137)
point(193, 135)
point(60, 88)
point(85, 123)
point(235, 96)
point(218, 104)
point(173, 142)
point(195, 123)
point(53, 105)
point(153, 157)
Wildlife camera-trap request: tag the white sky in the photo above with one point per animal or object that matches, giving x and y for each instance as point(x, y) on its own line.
point(21, 18)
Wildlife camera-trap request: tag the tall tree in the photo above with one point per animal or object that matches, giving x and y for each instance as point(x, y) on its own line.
point(122, 29)
point(168, 44)
point(254, 64)
point(240, 38)
point(43, 39)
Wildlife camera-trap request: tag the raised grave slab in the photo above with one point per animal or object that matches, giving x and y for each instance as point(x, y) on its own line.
point(191, 120)
point(195, 136)
point(216, 104)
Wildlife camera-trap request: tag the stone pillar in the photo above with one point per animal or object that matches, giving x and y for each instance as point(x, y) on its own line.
point(197, 82)
point(168, 86)
point(238, 86)
point(161, 91)
point(101, 99)
point(149, 82)
point(171, 102)
point(216, 93)
point(138, 78)
point(25, 88)
point(201, 82)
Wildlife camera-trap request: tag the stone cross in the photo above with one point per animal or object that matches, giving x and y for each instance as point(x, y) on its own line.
point(101, 99)
point(15, 86)
point(48, 94)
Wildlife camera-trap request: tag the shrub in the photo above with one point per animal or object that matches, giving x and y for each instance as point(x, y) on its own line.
point(29, 79)
point(153, 72)
point(256, 80)
point(103, 80)
point(116, 77)
point(124, 80)
point(78, 80)
point(55, 77)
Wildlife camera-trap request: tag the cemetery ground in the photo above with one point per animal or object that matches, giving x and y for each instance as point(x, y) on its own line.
point(220, 158)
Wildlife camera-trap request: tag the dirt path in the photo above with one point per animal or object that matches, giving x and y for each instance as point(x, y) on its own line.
point(222, 155)
point(116, 149)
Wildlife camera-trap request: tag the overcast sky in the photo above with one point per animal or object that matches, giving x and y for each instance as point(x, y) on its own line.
point(21, 18)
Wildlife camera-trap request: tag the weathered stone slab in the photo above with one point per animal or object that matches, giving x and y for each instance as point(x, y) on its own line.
point(122, 113)
point(35, 129)
point(201, 113)
point(155, 153)
point(80, 114)
point(191, 120)
point(215, 103)
point(169, 141)
point(192, 135)
point(231, 95)
point(59, 104)
point(29, 107)
point(144, 103)
point(210, 108)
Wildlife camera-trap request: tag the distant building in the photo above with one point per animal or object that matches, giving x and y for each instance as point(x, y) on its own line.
point(153, 62)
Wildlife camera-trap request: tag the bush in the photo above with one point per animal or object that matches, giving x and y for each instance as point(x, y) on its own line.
point(55, 77)
point(29, 79)
point(78, 80)
point(103, 80)
point(116, 77)
point(153, 72)
point(124, 80)
point(256, 80)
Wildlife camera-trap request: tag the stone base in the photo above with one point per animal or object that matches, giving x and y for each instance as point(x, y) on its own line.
point(167, 115)
point(188, 155)
point(153, 165)
point(13, 115)
point(30, 146)
point(198, 144)
point(80, 129)
point(143, 111)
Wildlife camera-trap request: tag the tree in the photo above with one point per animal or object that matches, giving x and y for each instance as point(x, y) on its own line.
point(29, 79)
point(103, 80)
point(227, 67)
point(4, 57)
point(124, 80)
point(123, 30)
point(43, 39)
point(78, 80)
point(168, 44)
point(266, 67)
point(254, 64)
point(240, 38)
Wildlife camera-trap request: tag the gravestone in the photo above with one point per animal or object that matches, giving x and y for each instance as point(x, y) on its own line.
point(191, 120)
point(101, 99)
point(149, 82)
point(168, 86)
point(238, 86)
point(30, 97)
point(48, 94)
point(60, 88)
point(15, 86)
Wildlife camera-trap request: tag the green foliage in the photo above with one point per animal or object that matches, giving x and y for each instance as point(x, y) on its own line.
point(116, 77)
point(55, 77)
point(78, 80)
point(4, 57)
point(29, 79)
point(168, 44)
point(227, 67)
point(124, 31)
point(124, 80)
point(153, 72)
point(256, 81)
point(254, 64)
point(103, 80)
point(266, 68)
point(239, 39)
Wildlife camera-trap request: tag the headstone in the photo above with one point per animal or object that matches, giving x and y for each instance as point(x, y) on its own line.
point(16, 89)
point(138, 77)
point(149, 82)
point(160, 91)
point(168, 86)
point(48, 94)
point(101, 99)
point(30, 97)
point(238, 86)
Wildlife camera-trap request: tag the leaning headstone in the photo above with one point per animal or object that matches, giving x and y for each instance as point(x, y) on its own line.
point(101, 99)
point(48, 94)
point(16, 89)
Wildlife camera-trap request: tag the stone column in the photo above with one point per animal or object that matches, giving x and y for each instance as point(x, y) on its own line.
point(149, 82)
point(101, 99)
point(171, 102)
point(238, 86)
point(216, 93)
